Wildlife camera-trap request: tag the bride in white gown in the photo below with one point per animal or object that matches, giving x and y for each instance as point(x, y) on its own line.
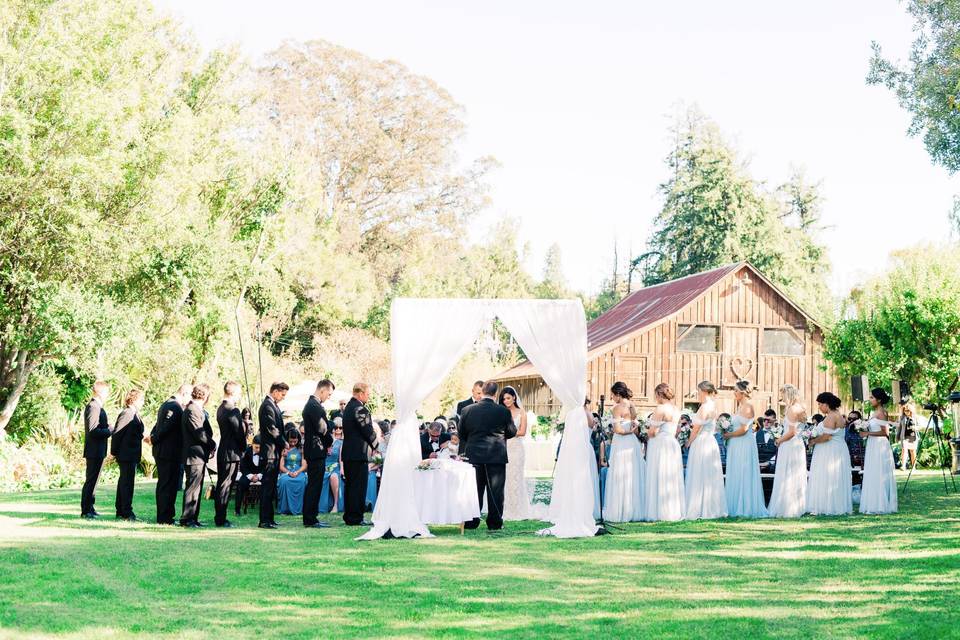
point(516, 501)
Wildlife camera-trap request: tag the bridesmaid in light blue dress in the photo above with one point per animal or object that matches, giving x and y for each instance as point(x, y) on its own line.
point(664, 496)
point(744, 487)
point(705, 496)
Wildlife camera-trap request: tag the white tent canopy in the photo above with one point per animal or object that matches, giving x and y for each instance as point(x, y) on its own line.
point(426, 346)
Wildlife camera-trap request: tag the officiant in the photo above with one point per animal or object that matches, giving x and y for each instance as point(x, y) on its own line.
point(484, 430)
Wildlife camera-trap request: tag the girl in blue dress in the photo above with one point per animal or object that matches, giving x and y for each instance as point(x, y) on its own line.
point(293, 477)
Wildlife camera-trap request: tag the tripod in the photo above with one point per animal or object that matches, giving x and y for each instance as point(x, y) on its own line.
point(934, 421)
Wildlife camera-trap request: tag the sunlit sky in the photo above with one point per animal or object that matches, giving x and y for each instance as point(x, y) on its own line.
point(575, 98)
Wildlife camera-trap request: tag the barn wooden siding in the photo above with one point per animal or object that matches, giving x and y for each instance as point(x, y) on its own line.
point(741, 311)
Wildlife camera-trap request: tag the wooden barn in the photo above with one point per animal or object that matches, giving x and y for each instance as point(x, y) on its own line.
point(722, 325)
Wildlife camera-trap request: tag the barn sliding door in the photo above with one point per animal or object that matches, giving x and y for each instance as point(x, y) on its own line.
point(740, 354)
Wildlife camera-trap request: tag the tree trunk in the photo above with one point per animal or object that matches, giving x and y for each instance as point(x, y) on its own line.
point(14, 379)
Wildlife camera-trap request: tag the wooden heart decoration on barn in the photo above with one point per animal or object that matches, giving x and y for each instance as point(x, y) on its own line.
point(741, 367)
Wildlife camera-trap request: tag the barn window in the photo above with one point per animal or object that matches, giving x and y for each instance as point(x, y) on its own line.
point(702, 338)
point(782, 342)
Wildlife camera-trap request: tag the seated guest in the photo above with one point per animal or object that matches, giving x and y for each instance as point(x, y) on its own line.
point(766, 443)
point(330, 499)
point(433, 440)
point(293, 480)
point(249, 470)
point(338, 413)
point(854, 439)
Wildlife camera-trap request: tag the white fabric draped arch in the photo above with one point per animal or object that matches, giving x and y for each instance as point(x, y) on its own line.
point(426, 346)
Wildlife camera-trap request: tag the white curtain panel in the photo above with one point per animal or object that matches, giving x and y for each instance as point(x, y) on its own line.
point(428, 338)
point(553, 335)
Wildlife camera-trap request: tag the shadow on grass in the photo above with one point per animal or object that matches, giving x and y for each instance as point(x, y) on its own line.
point(852, 576)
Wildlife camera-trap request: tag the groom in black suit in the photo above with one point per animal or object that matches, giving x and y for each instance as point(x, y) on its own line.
point(485, 428)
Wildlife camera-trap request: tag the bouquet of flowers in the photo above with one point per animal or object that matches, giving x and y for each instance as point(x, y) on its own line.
point(641, 429)
point(804, 432)
point(683, 433)
point(377, 460)
point(725, 425)
point(425, 465)
point(777, 430)
point(331, 467)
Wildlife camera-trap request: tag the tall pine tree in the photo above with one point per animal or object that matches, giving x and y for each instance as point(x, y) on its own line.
point(715, 213)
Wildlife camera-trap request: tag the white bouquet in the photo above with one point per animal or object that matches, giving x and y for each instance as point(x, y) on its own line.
point(777, 430)
point(725, 425)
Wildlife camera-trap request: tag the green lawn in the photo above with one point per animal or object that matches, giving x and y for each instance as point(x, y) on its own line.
point(854, 577)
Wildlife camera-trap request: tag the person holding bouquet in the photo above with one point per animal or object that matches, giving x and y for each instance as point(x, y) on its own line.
point(704, 491)
point(830, 486)
point(789, 498)
point(624, 489)
point(664, 498)
point(879, 490)
point(744, 488)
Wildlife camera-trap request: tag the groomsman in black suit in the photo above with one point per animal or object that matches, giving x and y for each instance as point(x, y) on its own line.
point(318, 437)
point(475, 395)
point(272, 442)
point(96, 430)
point(126, 445)
point(485, 428)
point(167, 441)
point(233, 442)
point(358, 437)
point(198, 447)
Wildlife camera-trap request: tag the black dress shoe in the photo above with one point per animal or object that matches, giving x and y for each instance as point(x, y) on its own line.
point(88, 516)
point(166, 523)
point(317, 525)
point(226, 524)
point(267, 525)
point(198, 523)
point(364, 523)
point(190, 525)
point(94, 512)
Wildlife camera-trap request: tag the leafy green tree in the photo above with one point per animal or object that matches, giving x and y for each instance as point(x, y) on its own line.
point(553, 285)
point(117, 231)
point(928, 86)
point(905, 325)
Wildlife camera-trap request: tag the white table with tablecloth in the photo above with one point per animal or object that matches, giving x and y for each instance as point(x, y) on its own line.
point(446, 492)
